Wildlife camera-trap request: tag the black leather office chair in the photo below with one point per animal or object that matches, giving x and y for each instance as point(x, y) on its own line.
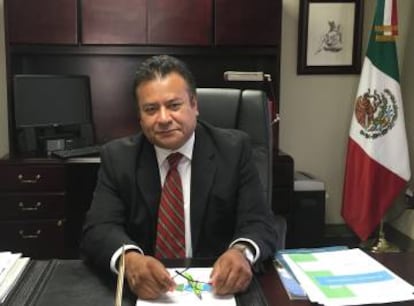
point(246, 110)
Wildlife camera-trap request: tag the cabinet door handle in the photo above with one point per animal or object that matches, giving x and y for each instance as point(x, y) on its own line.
point(30, 208)
point(29, 181)
point(33, 235)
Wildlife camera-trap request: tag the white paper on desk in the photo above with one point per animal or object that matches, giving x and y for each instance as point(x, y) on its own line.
point(347, 277)
point(12, 277)
point(7, 260)
point(188, 297)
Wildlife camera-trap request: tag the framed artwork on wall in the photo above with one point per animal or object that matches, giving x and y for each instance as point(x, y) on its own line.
point(330, 37)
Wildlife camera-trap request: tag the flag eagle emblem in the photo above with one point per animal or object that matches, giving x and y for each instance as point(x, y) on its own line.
point(376, 113)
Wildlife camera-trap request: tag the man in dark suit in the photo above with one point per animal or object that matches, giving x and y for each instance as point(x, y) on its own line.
point(225, 215)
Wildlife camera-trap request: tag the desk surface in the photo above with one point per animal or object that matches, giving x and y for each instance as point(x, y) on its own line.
point(71, 282)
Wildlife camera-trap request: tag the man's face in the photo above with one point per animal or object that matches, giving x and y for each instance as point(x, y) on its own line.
point(168, 115)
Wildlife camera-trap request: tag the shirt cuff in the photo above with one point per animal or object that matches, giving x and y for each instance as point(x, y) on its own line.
point(252, 244)
point(118, 252)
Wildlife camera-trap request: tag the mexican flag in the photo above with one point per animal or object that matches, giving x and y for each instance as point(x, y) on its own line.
point(377, 161)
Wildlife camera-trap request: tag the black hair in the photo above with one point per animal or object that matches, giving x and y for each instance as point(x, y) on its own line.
point(161, 65)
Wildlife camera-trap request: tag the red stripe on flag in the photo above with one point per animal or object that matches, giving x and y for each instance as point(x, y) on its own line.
point(369, 190)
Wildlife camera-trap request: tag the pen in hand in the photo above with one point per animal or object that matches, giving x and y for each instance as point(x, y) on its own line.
point(189, 278)
point(193, 283)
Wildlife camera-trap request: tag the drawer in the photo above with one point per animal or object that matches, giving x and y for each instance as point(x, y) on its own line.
point(39, 239)
point(32, 205)
point(32, 177)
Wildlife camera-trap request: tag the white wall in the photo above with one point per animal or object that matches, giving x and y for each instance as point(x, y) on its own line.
point(316, 110)
point(4, 143)
point(405, 222)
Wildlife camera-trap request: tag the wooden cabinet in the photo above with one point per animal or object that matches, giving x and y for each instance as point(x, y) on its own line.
point(145, 22)
point(32, 202)
point(155, 22)
point(42, 21)
point(180, 22)
point(248, 23)
point(114, 22)
point(43, 203)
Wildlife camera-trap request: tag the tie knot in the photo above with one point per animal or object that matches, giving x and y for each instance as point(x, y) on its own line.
point(173, 159)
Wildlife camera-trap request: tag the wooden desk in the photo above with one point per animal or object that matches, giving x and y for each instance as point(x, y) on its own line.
point(399, 263)
point(71, 282)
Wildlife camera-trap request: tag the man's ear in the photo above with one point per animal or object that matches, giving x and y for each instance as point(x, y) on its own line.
point(194, 103)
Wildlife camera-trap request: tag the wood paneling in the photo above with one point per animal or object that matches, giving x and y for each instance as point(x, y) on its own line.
point(180, 22)
point(114, 22)
point(42, 21)
point(247, 23)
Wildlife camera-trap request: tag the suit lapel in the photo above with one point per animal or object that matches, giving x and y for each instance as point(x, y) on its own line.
point(148, 177)
point(203, 169)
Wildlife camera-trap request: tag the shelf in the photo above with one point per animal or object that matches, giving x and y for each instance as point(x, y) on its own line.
point(140, 50)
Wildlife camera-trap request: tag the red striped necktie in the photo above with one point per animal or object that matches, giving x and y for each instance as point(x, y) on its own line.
point(170, 242)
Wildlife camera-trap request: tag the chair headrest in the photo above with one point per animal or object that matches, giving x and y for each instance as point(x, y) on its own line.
point(219, 106)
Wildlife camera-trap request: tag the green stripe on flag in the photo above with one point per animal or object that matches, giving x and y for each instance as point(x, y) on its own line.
point(383, 55)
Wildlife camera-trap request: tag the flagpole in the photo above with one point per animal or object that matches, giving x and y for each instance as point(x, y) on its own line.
point(382, 245)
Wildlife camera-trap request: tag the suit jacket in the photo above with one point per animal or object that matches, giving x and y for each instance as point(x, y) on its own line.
point(226, 199)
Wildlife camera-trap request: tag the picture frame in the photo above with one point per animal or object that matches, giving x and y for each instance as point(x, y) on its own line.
point(330, 37)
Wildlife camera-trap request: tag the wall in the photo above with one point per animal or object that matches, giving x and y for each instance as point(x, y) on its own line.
point(316, 110)
point(4, 144)
point(402, 219)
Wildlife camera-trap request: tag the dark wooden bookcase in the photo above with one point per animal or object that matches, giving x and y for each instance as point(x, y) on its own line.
point(107, 39)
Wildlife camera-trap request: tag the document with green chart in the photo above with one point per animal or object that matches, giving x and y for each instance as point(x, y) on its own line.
point(346, 277)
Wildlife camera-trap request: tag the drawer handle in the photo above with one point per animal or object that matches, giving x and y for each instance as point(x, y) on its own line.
point(34, 235)
point(30, 208)
point(29, 181)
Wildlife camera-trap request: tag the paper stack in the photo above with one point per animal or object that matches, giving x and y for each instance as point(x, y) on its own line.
point(11, 267)
point(293, 289)
point(337, 277)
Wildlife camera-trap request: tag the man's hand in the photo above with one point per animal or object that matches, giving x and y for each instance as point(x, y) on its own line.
point(231, 273)
point(147, 277)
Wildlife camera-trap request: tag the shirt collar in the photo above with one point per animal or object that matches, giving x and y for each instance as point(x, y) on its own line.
point(186, 150)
